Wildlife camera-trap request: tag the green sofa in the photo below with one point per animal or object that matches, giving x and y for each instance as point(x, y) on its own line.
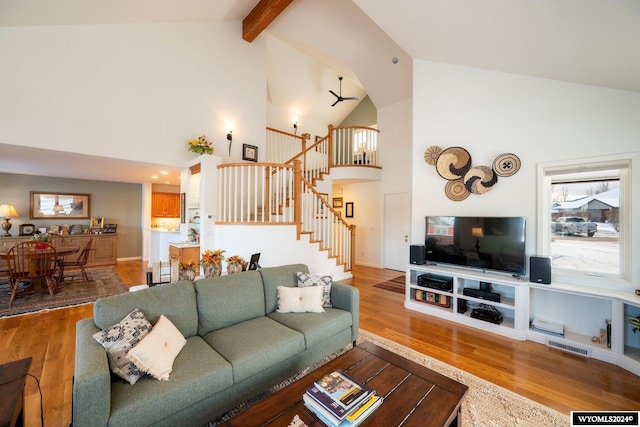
point(237, 347)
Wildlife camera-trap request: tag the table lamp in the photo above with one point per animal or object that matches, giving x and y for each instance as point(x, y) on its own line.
point(7, 212)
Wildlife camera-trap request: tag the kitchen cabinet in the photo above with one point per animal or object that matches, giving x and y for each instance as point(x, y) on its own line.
point(183, 252)
point(165, 205)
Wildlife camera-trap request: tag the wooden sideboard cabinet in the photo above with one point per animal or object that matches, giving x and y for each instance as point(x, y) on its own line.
point(104, 250)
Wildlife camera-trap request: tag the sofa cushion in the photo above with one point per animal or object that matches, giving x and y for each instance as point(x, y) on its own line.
point(300, 300)
point(316, 327)
point(255, 345)
point(198, 372)
point(227, 300)
point(155, 353)
point(119, 339)
point(175, 300)
point(305, 279)
point(272, 277)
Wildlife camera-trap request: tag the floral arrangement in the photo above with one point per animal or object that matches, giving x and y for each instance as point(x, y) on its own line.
point(188, 265)
point(41, 237)
point(200, 145)
point(212, 257)
point(235, 260)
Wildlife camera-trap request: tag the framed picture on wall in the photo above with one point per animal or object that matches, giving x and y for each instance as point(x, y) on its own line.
point(349, 210)
point(45, 205)
point(337, 202)
point(249, 152)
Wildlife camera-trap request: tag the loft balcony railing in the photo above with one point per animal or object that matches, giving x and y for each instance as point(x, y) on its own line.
point(342, 146)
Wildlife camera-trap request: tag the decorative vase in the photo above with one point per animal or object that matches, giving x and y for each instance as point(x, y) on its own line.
point(234, 268)
point(213, 269)
point(41, 246)
point(187, 275)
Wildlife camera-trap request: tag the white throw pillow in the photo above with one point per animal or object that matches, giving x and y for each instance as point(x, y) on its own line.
point(156, 352)
point(305, 279)
point(119, 339)
point(300, 300)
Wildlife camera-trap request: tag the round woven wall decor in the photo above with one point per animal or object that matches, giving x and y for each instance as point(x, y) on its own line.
point(480, 179)
point(456, 191)
point(506, 164)
point(431, 154)
point(453, 163)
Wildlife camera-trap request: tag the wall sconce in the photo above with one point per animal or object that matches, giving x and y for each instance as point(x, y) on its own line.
point(7, 211)
point(230, 138)
point(295, 128)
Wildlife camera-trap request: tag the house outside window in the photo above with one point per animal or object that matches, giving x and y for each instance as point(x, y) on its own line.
point(584, 221)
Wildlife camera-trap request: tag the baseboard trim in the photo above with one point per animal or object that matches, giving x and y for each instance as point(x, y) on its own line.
point(133, 258)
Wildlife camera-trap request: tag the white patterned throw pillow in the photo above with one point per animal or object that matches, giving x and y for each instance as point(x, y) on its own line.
point(156, 353)
point(305, 279)
point(299, 300)
point(119, 339)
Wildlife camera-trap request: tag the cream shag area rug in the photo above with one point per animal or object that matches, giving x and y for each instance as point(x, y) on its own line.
point(485, 404)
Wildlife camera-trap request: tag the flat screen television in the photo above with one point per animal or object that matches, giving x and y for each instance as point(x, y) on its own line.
point(485, 243)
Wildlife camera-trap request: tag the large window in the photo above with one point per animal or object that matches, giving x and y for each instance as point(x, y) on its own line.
point(584, 222)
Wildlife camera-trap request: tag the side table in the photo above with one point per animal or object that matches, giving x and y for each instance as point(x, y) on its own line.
point(12, 379)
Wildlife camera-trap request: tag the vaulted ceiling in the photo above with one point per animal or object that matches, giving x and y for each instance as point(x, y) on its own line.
point(593, 42)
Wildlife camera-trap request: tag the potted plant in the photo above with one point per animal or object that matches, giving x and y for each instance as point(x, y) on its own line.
point(235, 264)
point(188, 269)
point(211, 262)
point(41, 237)
point(200, 145)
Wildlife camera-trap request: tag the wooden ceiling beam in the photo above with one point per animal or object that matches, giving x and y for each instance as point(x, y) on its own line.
point(261, 16)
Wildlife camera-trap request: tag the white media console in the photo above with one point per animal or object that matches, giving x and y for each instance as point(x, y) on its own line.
point(583, 311)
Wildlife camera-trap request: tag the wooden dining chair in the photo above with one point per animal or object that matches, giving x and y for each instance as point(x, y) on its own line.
point(78, 264)
point(32, 264)
point(57, 239)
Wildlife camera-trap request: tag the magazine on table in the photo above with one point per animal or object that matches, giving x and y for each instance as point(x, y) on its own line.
point(343, 389)
point(354, 417)
point(340, 400)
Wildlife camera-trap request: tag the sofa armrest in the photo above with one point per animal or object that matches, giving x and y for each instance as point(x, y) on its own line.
point(92, 378)
point(347, 297)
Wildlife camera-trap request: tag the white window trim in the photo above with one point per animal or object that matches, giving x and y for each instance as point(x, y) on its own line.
point(623, 281)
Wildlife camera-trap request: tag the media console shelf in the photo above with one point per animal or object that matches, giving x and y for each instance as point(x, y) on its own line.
point(582, 311)
point(512, 304)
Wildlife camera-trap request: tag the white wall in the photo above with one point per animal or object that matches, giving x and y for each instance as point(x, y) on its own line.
point(277, 245)
point(490, 113)
point(138, 91)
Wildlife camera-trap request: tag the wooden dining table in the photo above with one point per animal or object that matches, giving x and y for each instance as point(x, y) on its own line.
point(61, 251)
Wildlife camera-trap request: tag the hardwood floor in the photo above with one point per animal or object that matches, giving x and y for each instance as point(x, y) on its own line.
point(559, 380)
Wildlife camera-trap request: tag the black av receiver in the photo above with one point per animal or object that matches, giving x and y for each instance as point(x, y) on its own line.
point(433, 281)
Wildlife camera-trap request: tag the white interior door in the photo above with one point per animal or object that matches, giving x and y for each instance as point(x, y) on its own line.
point(397, 228)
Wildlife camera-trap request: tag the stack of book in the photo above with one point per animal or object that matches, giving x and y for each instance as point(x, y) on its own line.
point(337, 399)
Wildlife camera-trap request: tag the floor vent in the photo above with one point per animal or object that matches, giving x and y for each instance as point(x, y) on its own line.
point(569, 348)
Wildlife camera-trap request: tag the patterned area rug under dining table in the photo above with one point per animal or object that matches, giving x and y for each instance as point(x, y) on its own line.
point(102, 282)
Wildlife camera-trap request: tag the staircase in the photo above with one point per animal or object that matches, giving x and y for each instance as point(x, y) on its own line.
point(282, 191)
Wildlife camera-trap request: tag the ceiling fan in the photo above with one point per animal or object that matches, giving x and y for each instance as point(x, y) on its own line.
point(340, 98)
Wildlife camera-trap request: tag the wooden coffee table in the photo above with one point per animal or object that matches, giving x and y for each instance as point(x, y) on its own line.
point(413, 395)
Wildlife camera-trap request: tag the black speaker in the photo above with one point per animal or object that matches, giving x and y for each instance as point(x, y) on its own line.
point(417, 254)
point(540, 269)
